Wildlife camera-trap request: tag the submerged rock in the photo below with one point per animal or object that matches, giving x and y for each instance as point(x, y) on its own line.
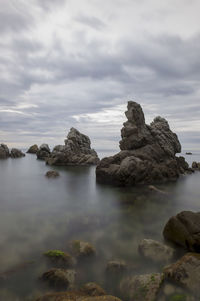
point(156, 251)
point(4, 151)
point(33, 149)
point(43, 152)
point(16, 153)
point(184, 230)
point(147, 153)
point(186, 272)
point(76, 151)
point(60, 278)
point(52, 174)
point(141, 287)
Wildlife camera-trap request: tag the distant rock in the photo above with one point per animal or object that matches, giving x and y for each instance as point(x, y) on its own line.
point(196, 165)
point(33, 149)
point(43, 152)
point(4, 151)
point(52, 174)
point(155, 251)
point(76, 151)
point(16, 153)
point(184, 230)
point(186, 272)
point(188, 153)
point(116, 267)
point(82, 249)
point(141, 287)
point(58, 257)
point(147, 153)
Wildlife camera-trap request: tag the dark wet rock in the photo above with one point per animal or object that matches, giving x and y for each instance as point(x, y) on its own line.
point(116, 267)
point(186, 272)
point(43, 152)
point(156, 251)
point(82, 249)
point(52, 174)
point(76, 151)
point(75, 296)
point(60, 278)
point(4, 151)
point(33, 149)
point(141, 287)
point(92, 289)
point(147, 153)
point(60, 258)
point(196, 165)
point(16, 153)
point(184, 230)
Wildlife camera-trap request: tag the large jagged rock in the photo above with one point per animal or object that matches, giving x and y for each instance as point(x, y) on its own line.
point(4, 151)
point(43, 152)
point(147, 153)
point(184, 230)
point(16, 153)
point(76, 151)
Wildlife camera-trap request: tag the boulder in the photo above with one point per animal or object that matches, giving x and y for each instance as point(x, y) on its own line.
point(16, 153)
point(4, 151)
point(147, 153)
point(60, 278)
point(43, 152)
point(185, 272)
point(92, 289)
point(116, 267)
point(58, 257)
point(75, 296)
point(82, 249)
point(52, 174)
point(156, 251)
point(196, 165)
point(141, 287)
point(33, 149)
point(184, 230)
point(76, 151)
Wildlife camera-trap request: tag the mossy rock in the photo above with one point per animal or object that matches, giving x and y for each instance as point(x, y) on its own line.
point(60, 257)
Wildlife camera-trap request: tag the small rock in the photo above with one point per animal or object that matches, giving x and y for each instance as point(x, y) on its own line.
point(92, 289)
point(188, 153)
point(33, 149)
point(184, 230)
point(82, 249)
point(141, 287)
point(155, 251)
point(52, 174)
point(116, 267)
point(185, 272)
point(59, 257)
point(60, 278)
point(196, 165)
point(16, 153)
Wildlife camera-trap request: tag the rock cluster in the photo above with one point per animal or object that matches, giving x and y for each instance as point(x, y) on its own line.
point(76, 151)
point(147, 153)
point(43, 152)
point(14, 153)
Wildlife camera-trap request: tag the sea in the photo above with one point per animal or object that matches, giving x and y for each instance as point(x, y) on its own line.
point(38, 214)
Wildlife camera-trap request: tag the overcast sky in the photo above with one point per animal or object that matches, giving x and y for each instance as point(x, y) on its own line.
point(67, 63)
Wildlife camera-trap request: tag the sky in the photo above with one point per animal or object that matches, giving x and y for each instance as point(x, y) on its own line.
point(76, 63)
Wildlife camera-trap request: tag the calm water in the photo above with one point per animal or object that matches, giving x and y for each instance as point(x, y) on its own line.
point(38, 214)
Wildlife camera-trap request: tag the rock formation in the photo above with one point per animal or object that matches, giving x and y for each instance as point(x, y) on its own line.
point(43, 152)
point(16, 153)
point(147, 153)
point(184, 230)
point(33, 149)
point(4, 151)
point(76, 151)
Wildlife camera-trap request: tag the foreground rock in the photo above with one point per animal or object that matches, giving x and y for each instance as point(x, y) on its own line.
point(52, 174)
point(76, 151)
point(16, 153)
point(82, 249)
point(186, 272)
point(156, 251)
point(43, 152)
point(184, 230)
point(147, 153)
point(33, 149)
point(75, 296)
point(142, 287)
point(4, 151)
point(93, 289)
point(60, 278)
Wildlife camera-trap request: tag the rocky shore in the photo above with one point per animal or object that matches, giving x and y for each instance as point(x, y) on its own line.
point(148, 153)
point(13, 153)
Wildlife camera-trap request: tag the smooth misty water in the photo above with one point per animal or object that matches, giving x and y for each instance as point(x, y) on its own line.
point(38, 214)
